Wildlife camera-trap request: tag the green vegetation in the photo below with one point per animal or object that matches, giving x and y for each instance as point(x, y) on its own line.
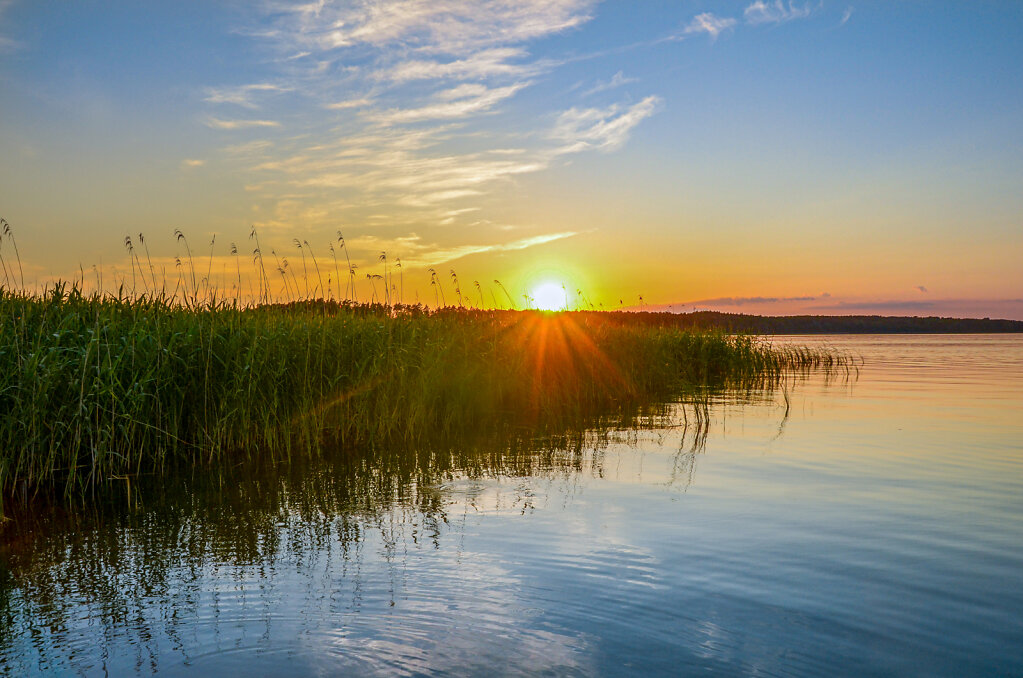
point(98, 388)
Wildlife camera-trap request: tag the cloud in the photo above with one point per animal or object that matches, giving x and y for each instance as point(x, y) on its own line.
point(394, 166)
point(761, 12)
point(8, 44)
point(217, 123)
point(604, 129)
point(718, 302)
point(405, 167)
point(411, 78)
point(439, 26)
point(617, 80)
point(444, 255)
point(240, 96)
point(708, 23)
point(248, 148)
point(846, 15)
point(922, 289)
point(415, 253)
point(484, 64)
point(729, 303)
point(895, 305)
point(191, 162)
point(457, 102)
point(349, 103)
point(742, 301)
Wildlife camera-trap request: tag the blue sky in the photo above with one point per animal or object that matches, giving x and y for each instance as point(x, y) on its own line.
point(690, 152)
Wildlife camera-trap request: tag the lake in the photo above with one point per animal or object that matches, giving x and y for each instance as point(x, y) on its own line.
point(870, 525)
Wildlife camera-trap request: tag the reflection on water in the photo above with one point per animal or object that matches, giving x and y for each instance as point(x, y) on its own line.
point(345, 561)
point(861, 527)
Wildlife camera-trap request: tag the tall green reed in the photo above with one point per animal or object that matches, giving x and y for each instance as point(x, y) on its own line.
point(100, 387)
point(97, 386)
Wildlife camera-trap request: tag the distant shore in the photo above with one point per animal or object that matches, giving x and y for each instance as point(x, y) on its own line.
point(829, 324)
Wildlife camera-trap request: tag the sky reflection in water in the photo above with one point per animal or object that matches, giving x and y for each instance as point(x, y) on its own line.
point(876, 530)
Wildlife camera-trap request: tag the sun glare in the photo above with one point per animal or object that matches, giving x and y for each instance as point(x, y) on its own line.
point(549, 296)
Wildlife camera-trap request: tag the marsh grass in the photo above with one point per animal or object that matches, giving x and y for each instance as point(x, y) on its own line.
point(98, 389)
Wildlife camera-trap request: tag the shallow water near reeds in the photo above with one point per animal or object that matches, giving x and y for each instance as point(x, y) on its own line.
point(874, 529)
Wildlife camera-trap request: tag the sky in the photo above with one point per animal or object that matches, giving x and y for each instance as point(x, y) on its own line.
point(754, 156)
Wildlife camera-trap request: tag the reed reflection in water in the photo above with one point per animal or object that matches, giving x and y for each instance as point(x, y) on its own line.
point(345, 561)
point(861, 528)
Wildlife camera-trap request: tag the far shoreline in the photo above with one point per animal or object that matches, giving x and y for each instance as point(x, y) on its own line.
point(828, 324)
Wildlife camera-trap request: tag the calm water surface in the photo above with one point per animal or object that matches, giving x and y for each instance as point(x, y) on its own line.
point(877, 529)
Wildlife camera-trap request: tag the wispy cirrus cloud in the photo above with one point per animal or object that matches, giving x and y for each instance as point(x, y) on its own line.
point(761, 12)
point(488, 63)
point(7, 43)
point(603, 129)
point(439, 26)
point(875, 306)
point(445, 255)
point(389, 106)
point(219, 123)
point(757, 13)
point(242, 95)
point(733, 304)
point(744, 301)
point(389, 100)
point(423, 254)
point(708, 23)
point(248, 148)
point(361, 102)
point(457, 102)
point(617, 80)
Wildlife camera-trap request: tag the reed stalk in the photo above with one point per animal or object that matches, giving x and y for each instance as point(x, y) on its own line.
point(99, 387)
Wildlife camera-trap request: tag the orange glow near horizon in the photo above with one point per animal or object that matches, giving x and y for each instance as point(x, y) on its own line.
point(562, 355)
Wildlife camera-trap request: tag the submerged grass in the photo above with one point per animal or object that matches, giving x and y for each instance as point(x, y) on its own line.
point(97, 388)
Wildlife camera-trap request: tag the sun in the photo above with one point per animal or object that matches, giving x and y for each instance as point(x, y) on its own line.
point(549, 296)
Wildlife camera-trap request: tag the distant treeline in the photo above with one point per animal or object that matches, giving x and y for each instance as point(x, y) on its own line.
point(821, 324)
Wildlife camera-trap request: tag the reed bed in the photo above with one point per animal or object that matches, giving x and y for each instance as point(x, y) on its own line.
point(95, 388)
